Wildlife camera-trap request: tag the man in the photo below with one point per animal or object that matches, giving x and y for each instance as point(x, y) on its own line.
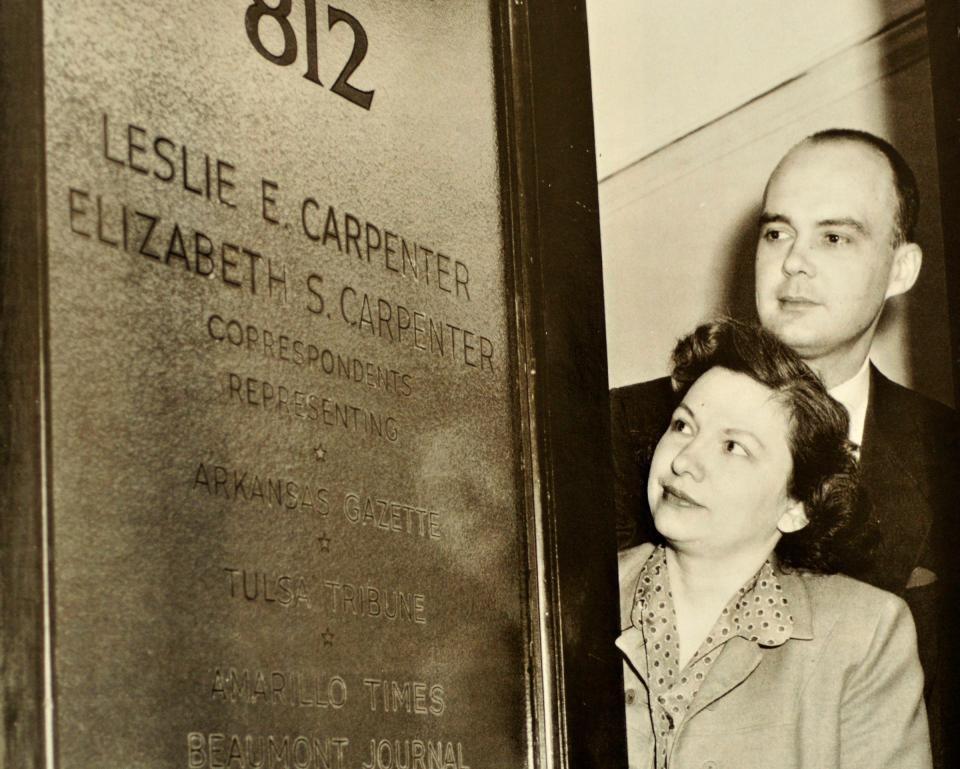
point(835, 242)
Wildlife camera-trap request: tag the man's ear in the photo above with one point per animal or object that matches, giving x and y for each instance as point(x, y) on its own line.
point(905, 268)
point(793, 519)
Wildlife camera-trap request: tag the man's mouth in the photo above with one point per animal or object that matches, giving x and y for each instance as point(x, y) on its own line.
point(677, 497)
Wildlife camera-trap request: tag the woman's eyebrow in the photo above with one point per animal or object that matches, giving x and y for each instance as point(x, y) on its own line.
point(733, 432)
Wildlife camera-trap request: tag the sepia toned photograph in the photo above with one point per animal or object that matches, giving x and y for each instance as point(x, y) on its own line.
point(770, 203)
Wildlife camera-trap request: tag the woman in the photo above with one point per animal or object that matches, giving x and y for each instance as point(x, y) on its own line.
point(742, 647)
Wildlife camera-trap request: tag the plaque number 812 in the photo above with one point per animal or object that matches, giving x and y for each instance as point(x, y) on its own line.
point(280, 13)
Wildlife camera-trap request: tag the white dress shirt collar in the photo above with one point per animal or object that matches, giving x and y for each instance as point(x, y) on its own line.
point(853, 396)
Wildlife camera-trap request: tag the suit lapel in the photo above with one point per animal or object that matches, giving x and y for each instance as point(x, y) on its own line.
point(893, 480)
point(630, 641)
point(736, 662)
point(740, 657)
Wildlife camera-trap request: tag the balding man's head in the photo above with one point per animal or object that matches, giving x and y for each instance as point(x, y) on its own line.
point(903, 181)
point(835, 242)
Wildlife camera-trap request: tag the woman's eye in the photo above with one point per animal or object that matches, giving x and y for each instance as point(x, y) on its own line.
point(732, 447)
point(680, 426)
point(772, 235)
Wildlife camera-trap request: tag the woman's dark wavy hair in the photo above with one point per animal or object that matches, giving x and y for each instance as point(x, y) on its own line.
point(842, 534)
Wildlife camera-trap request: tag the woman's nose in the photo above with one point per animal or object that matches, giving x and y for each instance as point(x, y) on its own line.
point(688, 461)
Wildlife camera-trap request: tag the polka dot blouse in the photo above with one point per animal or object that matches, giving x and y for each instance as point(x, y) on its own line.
point(758, 612)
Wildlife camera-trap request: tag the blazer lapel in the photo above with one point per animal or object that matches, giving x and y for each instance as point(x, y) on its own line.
point(630, 642)
point(741, 657)
point(736, 662)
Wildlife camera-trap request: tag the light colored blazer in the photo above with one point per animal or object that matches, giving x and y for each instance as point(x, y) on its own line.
point(843, 692)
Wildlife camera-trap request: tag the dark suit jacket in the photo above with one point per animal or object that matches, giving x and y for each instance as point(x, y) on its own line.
point(910, 468)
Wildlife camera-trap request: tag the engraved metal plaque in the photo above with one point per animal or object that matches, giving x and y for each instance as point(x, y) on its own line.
point(286, 528)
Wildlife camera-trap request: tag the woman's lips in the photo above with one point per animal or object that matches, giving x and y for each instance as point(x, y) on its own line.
point(796, 301)
point(679, 498)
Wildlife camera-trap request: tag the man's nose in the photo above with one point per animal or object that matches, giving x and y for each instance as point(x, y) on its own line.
point(689, 460)
point(797, 259)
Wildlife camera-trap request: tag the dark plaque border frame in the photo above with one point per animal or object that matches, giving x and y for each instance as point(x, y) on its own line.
point(567, 572)
point(552, 227)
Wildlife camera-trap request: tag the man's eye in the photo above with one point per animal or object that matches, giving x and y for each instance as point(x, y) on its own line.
point(732, 447)
point(775, 235)
point(835, 239)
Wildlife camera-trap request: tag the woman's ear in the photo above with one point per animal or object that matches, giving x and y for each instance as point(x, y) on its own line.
point(793, 519)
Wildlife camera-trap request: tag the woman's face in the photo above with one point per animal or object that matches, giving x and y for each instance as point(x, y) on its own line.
point(718, 480)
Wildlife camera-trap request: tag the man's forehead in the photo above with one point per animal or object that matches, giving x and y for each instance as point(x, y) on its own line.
point(844, 168)
point(831, 174)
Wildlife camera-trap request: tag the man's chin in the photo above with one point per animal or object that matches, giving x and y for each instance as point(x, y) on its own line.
point(800, 336)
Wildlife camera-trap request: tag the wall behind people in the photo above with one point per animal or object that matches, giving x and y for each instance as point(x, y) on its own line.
point(679, 224)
